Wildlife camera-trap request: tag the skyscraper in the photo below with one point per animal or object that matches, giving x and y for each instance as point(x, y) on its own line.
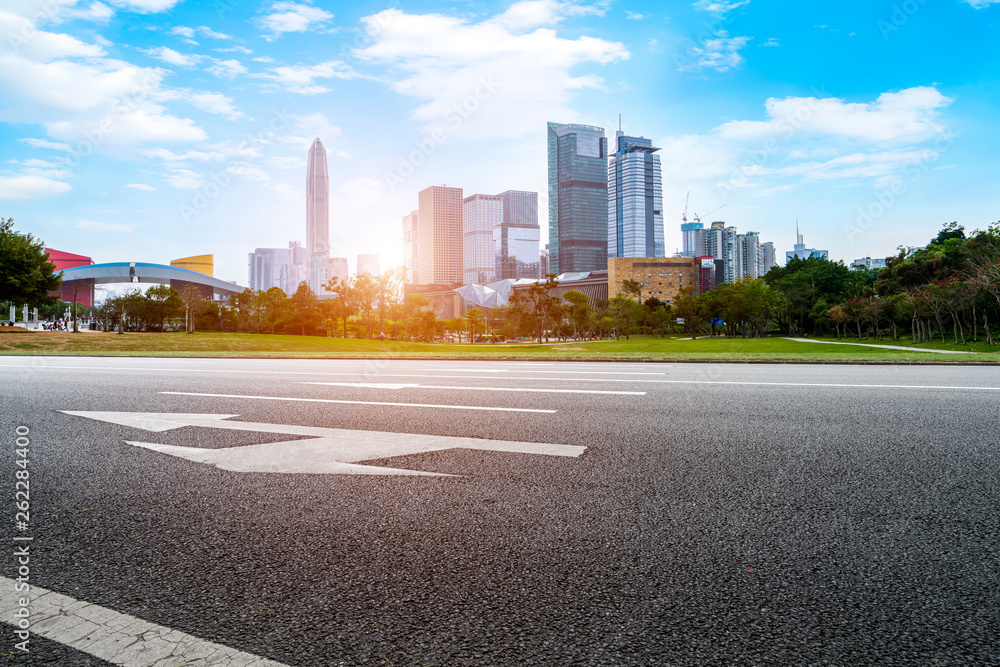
point(635, 199)
point(481, 214)
point(693, 235)
point(410, 246)
point(801, 251)
point(720, 243)
point(516, 239)
point(317, 215)
point(439, 238)
point(578, 198)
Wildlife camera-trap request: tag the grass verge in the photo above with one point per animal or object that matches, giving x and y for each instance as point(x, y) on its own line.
point(638, 348)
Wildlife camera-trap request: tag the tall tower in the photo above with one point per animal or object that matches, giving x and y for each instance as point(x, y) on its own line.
point(439, 235)
point(317, 216)
point(635, 199)
point(516, 240)
point(578, 198)
point(481, 214)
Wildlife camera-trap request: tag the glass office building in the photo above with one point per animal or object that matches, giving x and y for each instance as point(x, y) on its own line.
point(578, 198)
point(481, 214)
point(516, 240)
point(317, 215)
point(635, 199)
point(439, 235)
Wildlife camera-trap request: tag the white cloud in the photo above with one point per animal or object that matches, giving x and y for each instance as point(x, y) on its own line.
point(903, 116)
point(227, 69)
point(981, 4)
point(469, 75)
point(22, 38)
point(82, 97)
point(721, 53)
point(299, 78)
point(772, 41)
point(25, 187)
point(636, 16)
point(97, 12)
point(51, 145)
point(812, 140)
point(217, 104)
point(247, 172)
point(145, 6)
point(292, 17)
point(170, 156)
point(235, 49)
point(184, 179)
point(308, 127)
point(95, 226)
point(720, 6)
point(184, 32)
point(208, 32)
point(141, 186)
point(172, 57)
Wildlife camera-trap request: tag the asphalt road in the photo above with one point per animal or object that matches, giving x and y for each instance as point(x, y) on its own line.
point(720, 514)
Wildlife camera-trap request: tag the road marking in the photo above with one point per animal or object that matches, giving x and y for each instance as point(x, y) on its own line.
point(333, 400)
point(114, 637)
point(535, 370)
point(387, 385)
point(329, 451)
point(823, 384)
point(884, 347)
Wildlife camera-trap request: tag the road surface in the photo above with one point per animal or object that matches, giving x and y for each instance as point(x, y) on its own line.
point(431, 513)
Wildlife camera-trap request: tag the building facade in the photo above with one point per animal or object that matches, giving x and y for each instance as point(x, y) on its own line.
point(516, 240)
point(720, 243)
point(660, 277)
point(748, 259)
point(635, 199)
point(369, 264)
point(481, 215)
point(411, 224)
point(578, 198)
point(800, 250)
point(317, 215)
point(439, 239)
point(868, 263)
point(769, 258)
point(693, 238)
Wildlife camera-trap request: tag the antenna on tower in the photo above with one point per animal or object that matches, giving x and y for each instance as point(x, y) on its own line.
point(687, 200)
point(619, 122)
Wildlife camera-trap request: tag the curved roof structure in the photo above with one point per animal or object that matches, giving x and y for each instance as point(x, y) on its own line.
point(144, 272)
point(200, 263)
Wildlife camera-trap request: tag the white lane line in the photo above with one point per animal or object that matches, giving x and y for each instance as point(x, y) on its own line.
point(329, 451)
point(332, 400)
point(386, 385)
point(534, 370)
point(822, 384)
point(114, 637)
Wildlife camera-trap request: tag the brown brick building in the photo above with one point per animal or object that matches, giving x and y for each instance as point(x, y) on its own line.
point(659, 277)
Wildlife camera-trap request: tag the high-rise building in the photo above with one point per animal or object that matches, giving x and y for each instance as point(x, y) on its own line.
point(338, 268)
point(439, 238)
point(635, 199)
point(277, 267)
point(693, 235)
point(768, 258)
point(748, 258)
point(578, 198)
point(801, 251)
point(720, 243)
point(868, 263)
point(516, 239)
point(481, 214)
point(410, 246)
point(317, 215)
point(705, 273)
point(543, 261)
point(369, 264)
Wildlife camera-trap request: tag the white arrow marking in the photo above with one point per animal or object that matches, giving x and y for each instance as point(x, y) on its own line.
point(329, 451)
point(386, 385)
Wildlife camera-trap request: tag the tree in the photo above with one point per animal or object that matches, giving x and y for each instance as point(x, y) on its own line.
point(686, 305)
point(474, 321)
point(579, 310)
point(343, 305)
point(163, 302)
point(531, 305)
point(366, 292)
point(632, 288)
point(26, 275)
point(191, 297)
point(306, 308)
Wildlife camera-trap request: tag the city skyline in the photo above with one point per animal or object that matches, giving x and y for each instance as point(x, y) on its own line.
point(155, 129)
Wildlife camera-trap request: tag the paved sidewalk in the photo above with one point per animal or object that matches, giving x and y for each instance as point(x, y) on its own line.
point(884, 347)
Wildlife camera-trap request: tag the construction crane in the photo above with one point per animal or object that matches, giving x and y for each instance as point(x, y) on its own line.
point(684, 217)
point(697, 219)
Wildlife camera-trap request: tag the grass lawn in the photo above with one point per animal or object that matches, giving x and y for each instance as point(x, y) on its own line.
point(638, 348)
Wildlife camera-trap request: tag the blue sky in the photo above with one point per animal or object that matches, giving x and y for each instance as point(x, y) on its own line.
point(148, 130)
